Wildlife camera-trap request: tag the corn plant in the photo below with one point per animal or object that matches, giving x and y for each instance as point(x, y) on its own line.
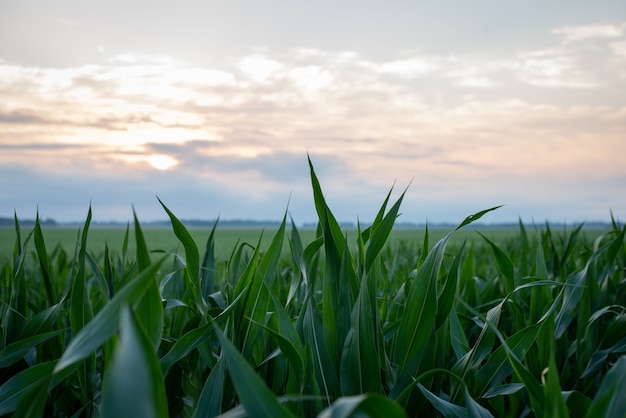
point(346, 325)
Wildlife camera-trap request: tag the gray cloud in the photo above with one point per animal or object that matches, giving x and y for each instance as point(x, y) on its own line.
point(275, 167)
point(20, 117)
point(34, 146)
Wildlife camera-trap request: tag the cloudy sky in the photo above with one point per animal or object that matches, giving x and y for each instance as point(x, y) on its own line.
point(214, 105)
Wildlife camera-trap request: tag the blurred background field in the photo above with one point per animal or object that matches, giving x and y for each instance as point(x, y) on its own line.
point(228, 238)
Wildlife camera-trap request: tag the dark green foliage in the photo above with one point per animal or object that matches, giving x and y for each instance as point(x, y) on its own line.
point(341, 324)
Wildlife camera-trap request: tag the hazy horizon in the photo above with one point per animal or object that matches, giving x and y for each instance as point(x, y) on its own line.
point(214, 108)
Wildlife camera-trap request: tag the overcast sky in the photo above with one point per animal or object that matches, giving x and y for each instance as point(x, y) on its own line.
point(213, 106)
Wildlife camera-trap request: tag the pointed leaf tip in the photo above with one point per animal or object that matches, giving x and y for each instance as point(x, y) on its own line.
point(476, 216)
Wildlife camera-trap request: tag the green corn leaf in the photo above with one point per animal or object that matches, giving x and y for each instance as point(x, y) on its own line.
point(338, 275)
point(297, 249)
point(540, 297)
point(15, 317)
point(15, 351)
point(568, 248)
point(313, 338)
point(192, 259)
point(307, 262)
point(108, 271)
point(425, 244)
point(418, 318)
point(185, 344)
point(380, 230)
point(42, 322)
point(14, 389)
point(331, 282)
point(523, 263)
point(503, 390)
point(99, 277)
point(143, 257)
point(360, 366)
point(245, 280)
point(125, 241)
point(504, 263)
point(531, 384)
point(258, 295)
point(345, 299)
point(105, 323)
point(378, 219)
point(361, 238)
point(193, 338)
point(133, 383)
point(367, 405)
point(599, 358)
point(291, 351)
point(295, 243)
point(555, 403)
point(44, 262)
point(248, 310)
point(577, 403)
point(210, 401)
point(474, 409)
point(476, 216)
point(81, 313)
point(38, 378)
point(150, 313)
point(445, 407)
point(458, 340)
point(32, 404)
point(17, 248)
point(208, 273)
point(573, 295)
point(288, 339)
point(616, 245)
point(610, 401)
point(571, 300)
point(256, 397)
point(149, 310)
point(269, 261)
point(448, 294)
point(80, 307)
point(483, 346)
point(497, 367)
point(334, 277)
point(326, 218)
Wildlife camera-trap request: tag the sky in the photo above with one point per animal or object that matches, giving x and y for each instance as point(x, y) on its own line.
point(214, 106)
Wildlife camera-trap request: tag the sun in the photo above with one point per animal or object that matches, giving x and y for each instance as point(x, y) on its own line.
point(162, 162)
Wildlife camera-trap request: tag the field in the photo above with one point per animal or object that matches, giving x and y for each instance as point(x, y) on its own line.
point(226, 239)
point(326, 322)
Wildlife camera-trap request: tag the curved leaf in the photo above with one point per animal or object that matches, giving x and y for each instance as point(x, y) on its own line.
point(256, 397)
point(369, 405)
point(610, 400)
point(14, 388)
point(100, 329)
point(133, 383)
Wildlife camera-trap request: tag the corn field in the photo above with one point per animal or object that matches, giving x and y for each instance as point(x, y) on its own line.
point(344, 326)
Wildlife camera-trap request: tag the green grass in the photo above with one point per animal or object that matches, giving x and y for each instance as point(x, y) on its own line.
point(365, 322)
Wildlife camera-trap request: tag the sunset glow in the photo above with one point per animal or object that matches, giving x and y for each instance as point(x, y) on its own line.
point(162, 162)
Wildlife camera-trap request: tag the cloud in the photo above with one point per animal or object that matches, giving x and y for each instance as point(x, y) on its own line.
point(241, 127)
point(585, 32)
point(408, 67)
point(259, 67)
point(20, 116)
